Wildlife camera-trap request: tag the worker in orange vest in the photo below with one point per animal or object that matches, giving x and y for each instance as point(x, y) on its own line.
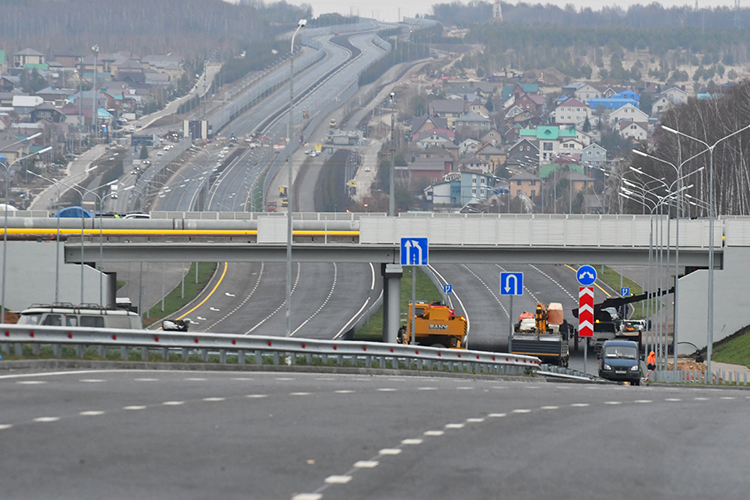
point(650, 363)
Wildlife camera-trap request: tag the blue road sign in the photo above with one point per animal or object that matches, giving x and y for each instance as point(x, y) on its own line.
point(414, 252)
point(625, 291)
point(586, 275)
point(447, 288)
point(511, 283)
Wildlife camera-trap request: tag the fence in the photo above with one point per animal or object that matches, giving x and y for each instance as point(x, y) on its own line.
point(699, 377)
point(235, 348)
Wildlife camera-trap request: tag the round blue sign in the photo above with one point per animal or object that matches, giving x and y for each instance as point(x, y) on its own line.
point(586, 275)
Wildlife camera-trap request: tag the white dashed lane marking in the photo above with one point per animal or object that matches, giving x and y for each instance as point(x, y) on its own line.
point(213, 399)
point(521, 410)
point(496, 415)
point(91, 380)
point(612, 403)
point(705, 399)
point(728, 397)
point(31, 382)
point(92, 413)
point(434, 433)
point(672, 400)
point(134, 408)
point(344, 391)
point(550, 408)
point(195, 379)
point(386, 389)
point(146, 379)
point(299, 393)
point(579, 405)
point(366, 464)
point(426, 388)
point(389, 451)
point(173, 403)
point(338, 479)
point(474, 420)
point(5, 426)
point(307, 496)
point(256, 396)
point(454, 426)
point(642, 401)
point(46, 419)
point(412, 441)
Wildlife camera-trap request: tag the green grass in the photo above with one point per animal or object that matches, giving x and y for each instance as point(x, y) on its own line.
point(734, 349)
point(121, 283)
point(426, 292)
point(612, 278)
point(174, 301)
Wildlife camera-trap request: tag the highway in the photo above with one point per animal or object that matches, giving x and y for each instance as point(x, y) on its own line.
point(161, 434)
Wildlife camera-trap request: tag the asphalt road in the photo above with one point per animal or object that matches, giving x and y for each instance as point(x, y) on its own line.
point(165, 435)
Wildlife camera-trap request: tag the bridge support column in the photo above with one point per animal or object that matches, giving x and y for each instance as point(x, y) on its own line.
point(391, 301)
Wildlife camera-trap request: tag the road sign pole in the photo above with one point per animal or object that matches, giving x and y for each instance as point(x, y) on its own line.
point(510, 326)
point(414, 305)
point(585, 354)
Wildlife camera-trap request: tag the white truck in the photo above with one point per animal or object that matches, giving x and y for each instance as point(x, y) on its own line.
point(113, 190)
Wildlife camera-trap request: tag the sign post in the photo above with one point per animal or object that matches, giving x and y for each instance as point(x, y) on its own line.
point(414, 252)
point(586, 276)
point(511, 284)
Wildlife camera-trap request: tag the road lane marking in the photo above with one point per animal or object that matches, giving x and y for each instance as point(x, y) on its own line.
point(134, 408)
point(426, 388)
point(464, 388)
point(46, 419)
point(344, 391)
point(579, 405)
point(307, 496)
point(642, 401)
point(195, 379)
point(284, 378)
point(612, 403)
point(497, 415)
point(550, 408)
point(91, 380)
point(240, 379)
point(728, 397)
point(226, 265)
point(91, 413)
point(389, 451)
point(672, 399)
point(299, 393)
point(454, 426)
point(5, 426)
point(434, 433)
point(256, 396)
point(386, 389)
point(366, 464)
point(338, 479)
point(705, 399)
point(475, 420)
point(31, 382)
point(521, 410)
point(173, 403)
point(412, 441)
point(146, 379)
point(214, 399)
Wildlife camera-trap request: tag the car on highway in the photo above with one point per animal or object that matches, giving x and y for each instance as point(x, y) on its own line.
point(137, 215)
point(87, 315)
point(618, 361)
point(367, 169)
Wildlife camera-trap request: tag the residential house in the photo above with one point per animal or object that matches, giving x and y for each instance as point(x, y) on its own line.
point(491, 154)
point(13, 147)
point(525, 151)
point(47, 112)
point(526, 183)
point(633, 130)
point(429, 169)
point(472, 123)
point(579, 182)
point(55, 96)
point(475, 164)
point(68, 59)
point(29, 59)
point(477, 106)
point(166, 64)
point(457, 189)
point(586, 92)
point(448, 109)
point(425, 123)
point(571, 112)
point(436, 152)
point(515, 91)
point(8, 82)
point(659, 106)
point(572, 146)
point(492, 137)
point(23, 105)
point(103, 67)
point(594, 155)
point(676, 95)
point(592, 204)
point(469, 147)
point(627, 112)
point(570, 89)
point(130, 71)
point(435, 137)
point(533, 103)
point(549, 140)
point(616, 101)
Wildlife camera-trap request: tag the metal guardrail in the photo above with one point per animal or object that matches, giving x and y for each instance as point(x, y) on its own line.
point(727, 378)
point(238, 346)
point(546, 369)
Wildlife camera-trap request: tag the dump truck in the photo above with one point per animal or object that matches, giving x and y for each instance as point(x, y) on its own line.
point(543, 334)
point(436, 325)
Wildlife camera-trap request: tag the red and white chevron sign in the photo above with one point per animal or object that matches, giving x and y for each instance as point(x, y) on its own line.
point(586, 311)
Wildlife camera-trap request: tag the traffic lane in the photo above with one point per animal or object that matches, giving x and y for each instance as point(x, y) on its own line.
point(312, 429)
point(239, 286)
point(357, 289)
point(644, 448)
point(474, 296)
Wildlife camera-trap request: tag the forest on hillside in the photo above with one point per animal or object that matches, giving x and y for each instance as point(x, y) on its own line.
point(188, 28)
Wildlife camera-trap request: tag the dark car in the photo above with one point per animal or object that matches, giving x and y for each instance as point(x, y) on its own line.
point(618, 361)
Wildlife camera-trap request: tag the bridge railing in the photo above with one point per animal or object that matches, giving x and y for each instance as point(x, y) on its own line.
point(260, 349)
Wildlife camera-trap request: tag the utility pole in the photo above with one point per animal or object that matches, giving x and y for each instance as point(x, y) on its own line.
point(94, 107)
point(392, 183)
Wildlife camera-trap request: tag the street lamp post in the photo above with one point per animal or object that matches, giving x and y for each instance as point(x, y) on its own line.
point(94, 108)
point(289, 190)
point(710, 305)
point(392, 182)
point(5, 225)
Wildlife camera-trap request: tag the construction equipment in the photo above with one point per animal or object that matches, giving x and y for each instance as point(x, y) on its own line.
point(436, 325)
point(544, 334)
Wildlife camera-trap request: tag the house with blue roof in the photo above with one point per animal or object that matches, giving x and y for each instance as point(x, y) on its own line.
point(616, 101)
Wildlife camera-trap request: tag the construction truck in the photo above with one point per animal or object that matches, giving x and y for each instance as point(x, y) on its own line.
point(435, 325)
point(543, 334)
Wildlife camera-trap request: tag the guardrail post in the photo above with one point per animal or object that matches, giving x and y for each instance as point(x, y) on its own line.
point(308, 358)
point(440, 365)
point(293, 358)
point(241, 357)
point(4, 348)
point(324, 357)
point(57, 350)
point(18, 350)
point(79, 350)
point(368, 361)
point(185, 354)
point(35, 349)
point(204, 355)
point(101, 352)
point(144, 353)
point(419, 364)
point(340, 359)
point(258, 358)
point(276, 357)
point(222, 356)
point(123, 353)
point(165, 353)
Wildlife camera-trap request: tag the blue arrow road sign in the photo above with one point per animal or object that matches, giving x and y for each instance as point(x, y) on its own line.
point(511, 283)
point(414, 252)
point(586, 275)
point(625, 291)
point(447, 288)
